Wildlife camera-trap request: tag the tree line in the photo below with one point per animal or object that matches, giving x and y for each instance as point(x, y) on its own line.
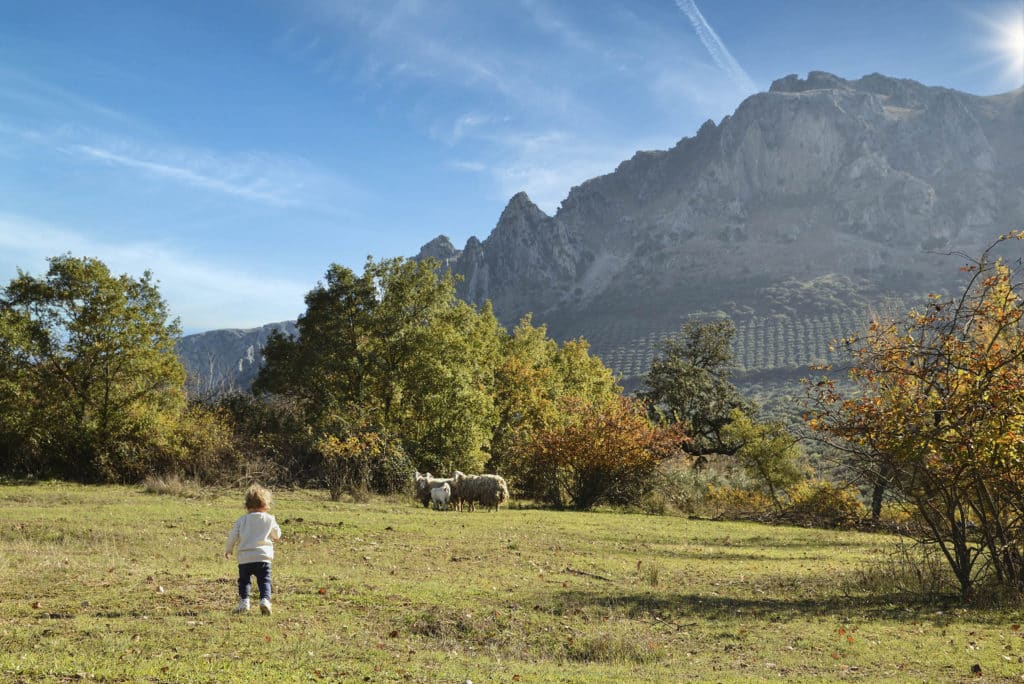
point(389, 373)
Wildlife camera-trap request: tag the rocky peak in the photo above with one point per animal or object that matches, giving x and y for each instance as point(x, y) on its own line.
point(440, 248)
point(521, 210)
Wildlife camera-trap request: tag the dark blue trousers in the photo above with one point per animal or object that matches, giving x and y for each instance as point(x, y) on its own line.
point(245, 574)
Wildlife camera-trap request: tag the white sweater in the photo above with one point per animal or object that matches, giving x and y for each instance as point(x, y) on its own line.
point(255, 534)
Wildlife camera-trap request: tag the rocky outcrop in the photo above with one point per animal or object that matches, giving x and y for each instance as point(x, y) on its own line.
point(440, 248)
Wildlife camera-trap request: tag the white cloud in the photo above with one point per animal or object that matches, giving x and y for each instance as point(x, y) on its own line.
point(204, 295)
point(471, 166)
point(46, 99)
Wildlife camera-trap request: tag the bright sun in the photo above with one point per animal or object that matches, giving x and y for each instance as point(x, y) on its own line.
point(1005, 40)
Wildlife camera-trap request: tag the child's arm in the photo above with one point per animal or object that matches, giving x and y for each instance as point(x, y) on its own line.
point(275, 531)
point(229, 546)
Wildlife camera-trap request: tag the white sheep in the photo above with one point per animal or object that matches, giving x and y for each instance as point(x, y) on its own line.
point(425, 483)
point(441, 496)
point(488, 490)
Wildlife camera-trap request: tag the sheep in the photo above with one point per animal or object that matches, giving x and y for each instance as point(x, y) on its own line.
point(488, 490)
point(425, 483)
point(441, 496)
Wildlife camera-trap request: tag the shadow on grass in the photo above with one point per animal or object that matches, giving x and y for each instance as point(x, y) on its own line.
point(680, 607)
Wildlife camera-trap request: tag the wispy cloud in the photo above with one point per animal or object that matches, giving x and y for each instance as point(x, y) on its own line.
point(550, 23)
point(204, 295)
point(257, 177)
point(45, 116)
point(538, 110)
point(245, 183)
point(436, 42)
point(715, 47)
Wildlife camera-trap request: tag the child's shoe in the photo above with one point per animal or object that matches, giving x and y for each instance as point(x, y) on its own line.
point(243, 606)
point(265, 606)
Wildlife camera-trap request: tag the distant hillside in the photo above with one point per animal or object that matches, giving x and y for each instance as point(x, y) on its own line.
point(814, 207)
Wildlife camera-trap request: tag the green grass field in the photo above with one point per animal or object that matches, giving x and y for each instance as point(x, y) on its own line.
point(114, 584)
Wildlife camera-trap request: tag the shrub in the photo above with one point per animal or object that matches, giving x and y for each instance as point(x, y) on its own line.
point(819, 503)
point(605, 454)
point(362, 462)
point(733, 503)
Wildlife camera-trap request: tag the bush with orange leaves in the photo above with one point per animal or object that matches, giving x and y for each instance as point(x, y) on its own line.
point(595, 454)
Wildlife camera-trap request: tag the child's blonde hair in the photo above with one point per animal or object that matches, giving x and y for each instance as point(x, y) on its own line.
point(257, 497)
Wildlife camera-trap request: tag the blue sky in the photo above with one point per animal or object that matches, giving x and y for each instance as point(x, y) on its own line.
point(238, 148)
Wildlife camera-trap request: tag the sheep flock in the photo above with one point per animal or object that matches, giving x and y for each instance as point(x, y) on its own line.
point(463, 491)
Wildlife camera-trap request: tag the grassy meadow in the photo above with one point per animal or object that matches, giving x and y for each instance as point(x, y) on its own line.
point(114, 584)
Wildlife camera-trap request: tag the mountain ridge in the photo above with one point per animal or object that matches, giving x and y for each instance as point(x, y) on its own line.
point(812, 205)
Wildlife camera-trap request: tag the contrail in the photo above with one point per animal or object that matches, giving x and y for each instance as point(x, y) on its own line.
point(715, 47)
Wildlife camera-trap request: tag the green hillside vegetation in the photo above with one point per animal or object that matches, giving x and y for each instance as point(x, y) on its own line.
point(109, 583)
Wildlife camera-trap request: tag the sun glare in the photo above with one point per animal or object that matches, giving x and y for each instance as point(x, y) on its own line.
point(1005, 41)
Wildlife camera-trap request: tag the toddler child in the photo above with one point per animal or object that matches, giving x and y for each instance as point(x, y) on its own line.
point(254, 533)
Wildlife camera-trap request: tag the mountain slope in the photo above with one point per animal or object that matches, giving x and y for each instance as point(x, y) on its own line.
point(821, 197)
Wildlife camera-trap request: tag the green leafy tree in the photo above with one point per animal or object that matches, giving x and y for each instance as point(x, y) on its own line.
point(392, 351)
point(95, 388)
point(767, 452)
point(525, 390)
point(689, 382)
point(533, 381)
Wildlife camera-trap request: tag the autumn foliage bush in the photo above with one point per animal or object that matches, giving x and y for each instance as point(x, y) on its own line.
point(820, 503)
point(362, 462)
point(936, 417)
point(735, 503)
point(605, 454)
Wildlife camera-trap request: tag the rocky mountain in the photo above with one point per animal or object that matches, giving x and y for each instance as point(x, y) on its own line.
point(823, 197)
point(810, 209)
